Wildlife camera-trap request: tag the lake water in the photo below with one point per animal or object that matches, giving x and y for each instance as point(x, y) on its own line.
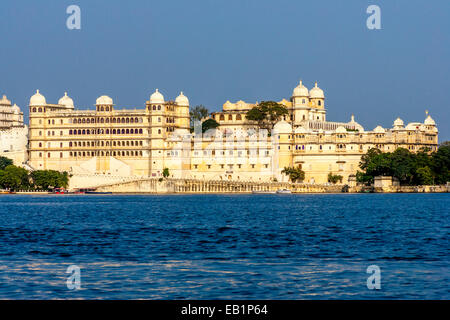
point(225, 246)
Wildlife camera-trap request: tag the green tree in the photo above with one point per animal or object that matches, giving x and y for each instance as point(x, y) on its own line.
point(295, 174)
point(209, 124)
point(166, 173)
point(424, 176)
point(48, 179)
point(266, 114)
point(14, 178)
point(198, 113)
point(441, 163)
point(334, 178)
point(4, 162)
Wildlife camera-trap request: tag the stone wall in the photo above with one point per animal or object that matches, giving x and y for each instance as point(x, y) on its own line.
point(201, 186)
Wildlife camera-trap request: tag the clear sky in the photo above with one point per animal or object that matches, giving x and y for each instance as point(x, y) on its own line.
point(216, 51)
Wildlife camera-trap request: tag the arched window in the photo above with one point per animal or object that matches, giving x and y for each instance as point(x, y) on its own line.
point(140, 130)
point(230, 117)
point(222, 117)
point(238, 117)
point(123, 131)
point(70, 132)
point(107, 108)
point(128, 120)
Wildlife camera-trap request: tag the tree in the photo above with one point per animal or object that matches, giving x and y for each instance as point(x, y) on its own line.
point(266, 114)
point(166, 173)
point(4, 162)
point(295, 174)
point(441, 163)
point(198, 113)
point(424, 176)
point(209, 124)
point(47, 179)
point(421, 168)
point(334, 178)
point(14, 178)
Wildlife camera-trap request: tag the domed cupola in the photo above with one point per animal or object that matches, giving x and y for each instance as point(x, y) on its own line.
point(156, 97)
point(16, 109)
point(4, 101)
point(104, 100)
point(37, 99)
point(282, 127)
point(429, 121)
point(182, 100)
point(398, 123)
point(300, 91)
point(66, 101)
point(316, 93)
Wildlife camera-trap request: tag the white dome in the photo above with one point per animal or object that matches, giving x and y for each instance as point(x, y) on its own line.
point(341, 129)
point(5, 101)
point(16, 109)
point(316, 92)
point(300, 91)
point(301, 130)
point(429, 121)
point(398, 123)
point(104, 100)
point(379, 129)
point(182, 100)
point(156, 97)
point(66, 101)
point(282, 127)
point(37, 99)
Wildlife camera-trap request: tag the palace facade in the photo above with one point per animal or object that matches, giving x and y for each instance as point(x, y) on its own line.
point(13, 132)
point(143, 142)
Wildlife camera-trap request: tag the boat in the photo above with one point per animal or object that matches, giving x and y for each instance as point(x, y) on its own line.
point(284, 191)
point(263, 192)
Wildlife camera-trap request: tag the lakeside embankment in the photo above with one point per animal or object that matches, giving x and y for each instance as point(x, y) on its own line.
point(192, 186)
point(199, 186)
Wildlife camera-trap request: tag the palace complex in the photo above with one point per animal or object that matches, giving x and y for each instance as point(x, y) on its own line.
point(112, 142)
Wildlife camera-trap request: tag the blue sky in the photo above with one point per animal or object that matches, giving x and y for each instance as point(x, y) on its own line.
point(236, 49)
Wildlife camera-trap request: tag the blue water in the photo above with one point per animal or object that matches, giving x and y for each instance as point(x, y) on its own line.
point(225, 246)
